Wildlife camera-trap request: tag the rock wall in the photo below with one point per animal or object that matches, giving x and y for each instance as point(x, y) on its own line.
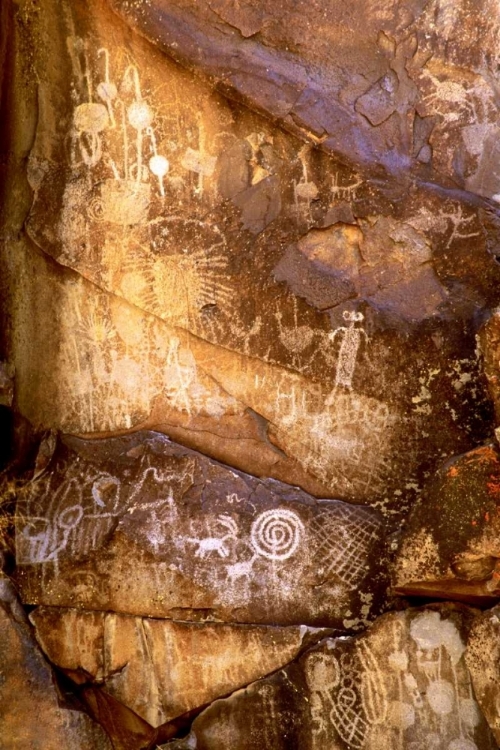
point(248, 365)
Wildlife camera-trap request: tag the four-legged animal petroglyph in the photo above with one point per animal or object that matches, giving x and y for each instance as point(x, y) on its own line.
point(218, 544)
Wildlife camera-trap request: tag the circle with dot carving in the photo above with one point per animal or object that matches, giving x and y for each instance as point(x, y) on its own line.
point(276, 533)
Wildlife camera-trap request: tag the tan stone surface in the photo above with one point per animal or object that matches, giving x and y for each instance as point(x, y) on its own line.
point(403, 684)
point(140, 525)
point(161, 669)
point(33, 713)
point(483, 661)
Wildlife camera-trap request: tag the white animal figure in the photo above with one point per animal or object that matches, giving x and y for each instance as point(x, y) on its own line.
point(216, 544)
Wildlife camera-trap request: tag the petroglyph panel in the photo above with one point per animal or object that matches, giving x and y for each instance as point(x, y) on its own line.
point(217, 222)
point(403, 684)
point(171, 667)
point(106, 363)
point(192, 536)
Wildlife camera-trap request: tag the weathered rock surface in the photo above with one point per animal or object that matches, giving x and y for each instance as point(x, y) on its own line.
point(237, 288)
point(483, 661)
point(451, 545)
point(142, 526)
point(403, 684)
point(405, 91)
point(489, 346)
point(33, 713)
point(158, 668)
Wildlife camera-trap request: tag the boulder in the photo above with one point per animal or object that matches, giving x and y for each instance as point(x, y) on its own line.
point(34, 713)
point(162, 669)
point(140, 525)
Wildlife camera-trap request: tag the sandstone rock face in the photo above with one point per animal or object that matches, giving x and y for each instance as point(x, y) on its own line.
point(158, 668)
point(451, 544)
point(403, 684)
point(28, 690)
point(142, 526)
point(268, 230)
point(246, 292)
point(403, 90)
point(483, 661)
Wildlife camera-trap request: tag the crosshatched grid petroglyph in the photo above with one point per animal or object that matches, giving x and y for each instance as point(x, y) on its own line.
point(343, 539)
point(356, 431)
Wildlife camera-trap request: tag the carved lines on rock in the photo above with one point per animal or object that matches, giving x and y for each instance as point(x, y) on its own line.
point(276, 534)
point(343, 537)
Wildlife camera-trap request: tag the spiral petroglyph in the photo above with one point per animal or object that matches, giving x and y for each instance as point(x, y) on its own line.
point(276, 534)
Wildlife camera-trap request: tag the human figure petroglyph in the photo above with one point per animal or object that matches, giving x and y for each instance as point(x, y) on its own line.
point(458, 221)
point(348, 351)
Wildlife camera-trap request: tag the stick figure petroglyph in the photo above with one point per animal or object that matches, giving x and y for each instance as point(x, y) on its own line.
point(349, 347)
